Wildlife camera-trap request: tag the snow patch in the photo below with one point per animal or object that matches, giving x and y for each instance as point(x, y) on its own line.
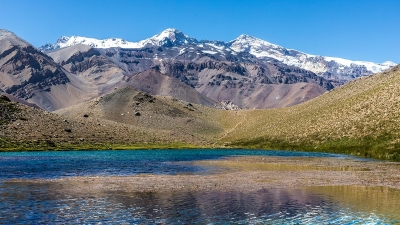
point(209, 52)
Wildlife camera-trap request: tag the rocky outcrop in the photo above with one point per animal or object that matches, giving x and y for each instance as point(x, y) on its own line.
point(228, 105)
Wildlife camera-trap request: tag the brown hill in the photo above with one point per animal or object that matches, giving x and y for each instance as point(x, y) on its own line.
point(155, 83)
point(265, 95)
point(123, 119)
point(156, 113)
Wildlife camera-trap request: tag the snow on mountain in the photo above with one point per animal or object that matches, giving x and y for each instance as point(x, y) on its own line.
point(342, 69)
point(168, 37)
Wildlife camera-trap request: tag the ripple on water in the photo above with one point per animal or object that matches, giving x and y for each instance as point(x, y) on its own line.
point(32, 203)
point(26, 204)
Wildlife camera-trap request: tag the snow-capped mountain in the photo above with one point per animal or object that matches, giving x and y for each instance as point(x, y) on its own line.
point(168, 37)
point(329, 67)
point(337, 70)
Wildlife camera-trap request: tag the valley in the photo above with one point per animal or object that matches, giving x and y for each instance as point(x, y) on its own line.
point(251, 112)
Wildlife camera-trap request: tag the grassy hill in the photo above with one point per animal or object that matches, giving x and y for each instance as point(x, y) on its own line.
point(360, 118)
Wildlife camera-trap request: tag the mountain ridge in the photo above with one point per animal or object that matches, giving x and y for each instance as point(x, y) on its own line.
point(215, 72)
point(336, 69)
point(201, 72)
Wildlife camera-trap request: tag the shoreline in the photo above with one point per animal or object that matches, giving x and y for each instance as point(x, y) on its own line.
point(177, 146)
point(249, 173)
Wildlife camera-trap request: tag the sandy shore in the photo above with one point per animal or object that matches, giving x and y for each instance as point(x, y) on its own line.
point(246, 174)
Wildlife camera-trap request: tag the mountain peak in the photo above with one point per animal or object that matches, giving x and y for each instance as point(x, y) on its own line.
point(169, 33)
point(169, 37)
point(259, 48)
point(11, 39)
point(245, 36)
point(246, 43)
point(171, 30)
point(5, 33)
point(388, 63)
point(248, 38)
point(64, 39)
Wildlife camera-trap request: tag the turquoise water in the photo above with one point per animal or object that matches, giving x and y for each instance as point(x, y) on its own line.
point(104, 163)
point(28, 203)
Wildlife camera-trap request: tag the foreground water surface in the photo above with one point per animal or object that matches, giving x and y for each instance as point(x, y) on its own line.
point(30, 203)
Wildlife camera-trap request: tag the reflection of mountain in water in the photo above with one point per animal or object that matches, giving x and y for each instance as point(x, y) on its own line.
point(272, 206)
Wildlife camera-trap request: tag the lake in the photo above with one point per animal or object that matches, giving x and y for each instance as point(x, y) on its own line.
point(44, 203)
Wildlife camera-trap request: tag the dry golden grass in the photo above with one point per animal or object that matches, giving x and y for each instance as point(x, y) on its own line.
point(361, 117)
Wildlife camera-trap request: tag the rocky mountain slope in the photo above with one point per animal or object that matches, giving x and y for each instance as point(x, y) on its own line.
point(335, 69)
point(28, 74)
point(218, 74)
point(89, 65)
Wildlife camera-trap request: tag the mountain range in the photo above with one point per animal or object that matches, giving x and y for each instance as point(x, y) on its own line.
point(331, 68)
point(246, 72)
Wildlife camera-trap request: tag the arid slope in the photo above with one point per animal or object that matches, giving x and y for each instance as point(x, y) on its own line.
point(361, 117)
point(123, 119)
point(155, 113)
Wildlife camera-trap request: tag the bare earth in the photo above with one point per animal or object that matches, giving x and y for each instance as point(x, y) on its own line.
point(245, 174)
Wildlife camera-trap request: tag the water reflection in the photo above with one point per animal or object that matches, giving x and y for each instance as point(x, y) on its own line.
point(49, 203)
point(55, 203)
point(378, 200)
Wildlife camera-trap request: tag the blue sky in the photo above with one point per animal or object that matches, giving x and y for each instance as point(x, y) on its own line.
point(365, 30)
